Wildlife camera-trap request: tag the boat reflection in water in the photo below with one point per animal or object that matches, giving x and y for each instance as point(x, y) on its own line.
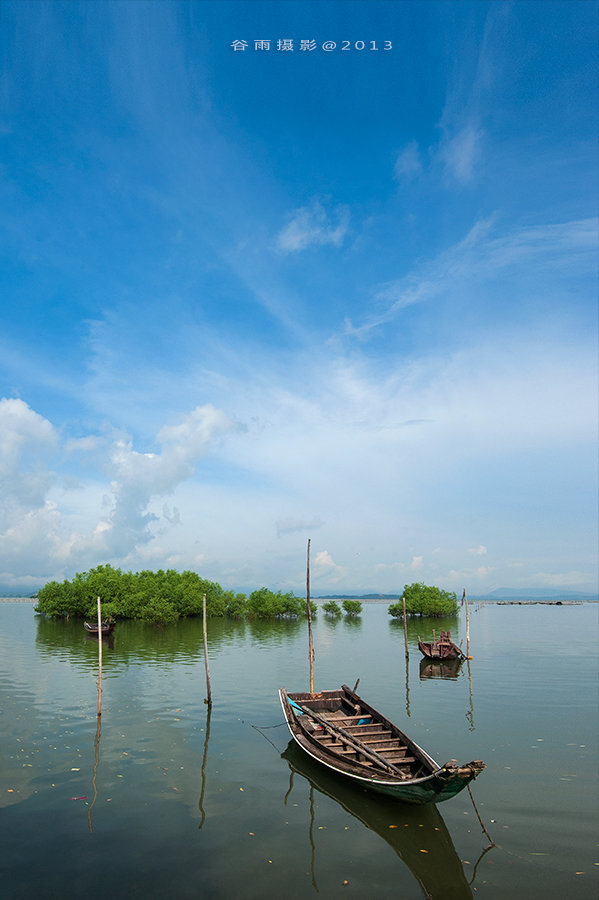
point(440, 668)
point(107, 639)
point(408, 829)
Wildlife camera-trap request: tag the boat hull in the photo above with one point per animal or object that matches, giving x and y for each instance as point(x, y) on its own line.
point(444, 649)
point(93, 629)
point(427, 782)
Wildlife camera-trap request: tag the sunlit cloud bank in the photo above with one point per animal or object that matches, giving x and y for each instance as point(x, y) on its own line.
point(395, 480)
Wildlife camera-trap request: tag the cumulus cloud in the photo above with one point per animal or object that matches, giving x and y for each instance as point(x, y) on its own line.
point(465, 575)
point(26, 442)
point(34, 525)
point(325, 567)
point(478, 551)
point(314, 225)
point(140, 476)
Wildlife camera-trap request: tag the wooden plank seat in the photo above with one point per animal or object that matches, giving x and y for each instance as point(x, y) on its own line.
point(342, 721)
point(361, 730)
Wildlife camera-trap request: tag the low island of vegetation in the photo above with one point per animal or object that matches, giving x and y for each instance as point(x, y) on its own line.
point(160, 597)
point(424, 600)
point(351, 608)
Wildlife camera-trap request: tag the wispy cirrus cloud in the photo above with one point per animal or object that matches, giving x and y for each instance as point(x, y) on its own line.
point(314, 225)
point(295, 525)
point(562, 248)
point(460, 152)
point(408, 165)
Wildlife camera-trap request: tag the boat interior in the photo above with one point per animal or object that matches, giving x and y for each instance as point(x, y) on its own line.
point(340, 725)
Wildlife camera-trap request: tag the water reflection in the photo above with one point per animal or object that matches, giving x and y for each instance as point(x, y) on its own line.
point(94, 775)
point(203, 769)
point(107, 639)
point(135, 643)
point(448, 669)
point(470, 710)
point(417, 834)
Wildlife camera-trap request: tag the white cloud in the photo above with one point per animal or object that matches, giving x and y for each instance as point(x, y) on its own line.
point(314, 225)
point(460, 153)
point(466, 576)
point(38, 527)
point(293, 525)
point(27, 441)
point(478, 551)
point(556, 250)
point(407, 165)
point(137, 477)
point(326, 569)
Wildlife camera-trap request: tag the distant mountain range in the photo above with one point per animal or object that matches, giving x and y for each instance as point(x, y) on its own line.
point(498, 594)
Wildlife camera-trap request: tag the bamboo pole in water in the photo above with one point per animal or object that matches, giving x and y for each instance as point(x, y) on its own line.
point(405, 627)
point(408, 685)
point(465, 599)
point(309, 611)
point(208, 690)
point(99, 659)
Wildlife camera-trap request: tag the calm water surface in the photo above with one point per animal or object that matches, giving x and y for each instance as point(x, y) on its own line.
point(168, 802)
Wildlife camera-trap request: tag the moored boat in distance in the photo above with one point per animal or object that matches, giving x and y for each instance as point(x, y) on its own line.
point(344, 733)
point(107, 627)
point(443, 648)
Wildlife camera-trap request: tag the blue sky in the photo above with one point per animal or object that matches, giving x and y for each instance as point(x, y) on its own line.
point(255, 297)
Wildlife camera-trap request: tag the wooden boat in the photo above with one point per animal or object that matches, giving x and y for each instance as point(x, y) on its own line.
point(344, 733)
point(443, 648)
point(107, 627)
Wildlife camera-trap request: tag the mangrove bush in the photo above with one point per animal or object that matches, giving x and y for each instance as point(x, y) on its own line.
point(424, 600)
point(162, 596)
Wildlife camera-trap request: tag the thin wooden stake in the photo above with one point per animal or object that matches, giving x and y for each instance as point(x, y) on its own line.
point(99, 659)
point(405, 627)
point(465, 600)
point(208, 690)
point(309, 611)
point(408, 685)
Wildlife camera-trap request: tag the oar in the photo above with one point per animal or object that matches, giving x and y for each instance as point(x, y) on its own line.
point(360, 748)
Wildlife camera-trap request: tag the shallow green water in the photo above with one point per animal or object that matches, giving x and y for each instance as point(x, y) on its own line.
point(169, 804)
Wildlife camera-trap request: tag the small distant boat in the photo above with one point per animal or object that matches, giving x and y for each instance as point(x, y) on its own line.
point(106, 628)
point(349, 737)
point(443, 648)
